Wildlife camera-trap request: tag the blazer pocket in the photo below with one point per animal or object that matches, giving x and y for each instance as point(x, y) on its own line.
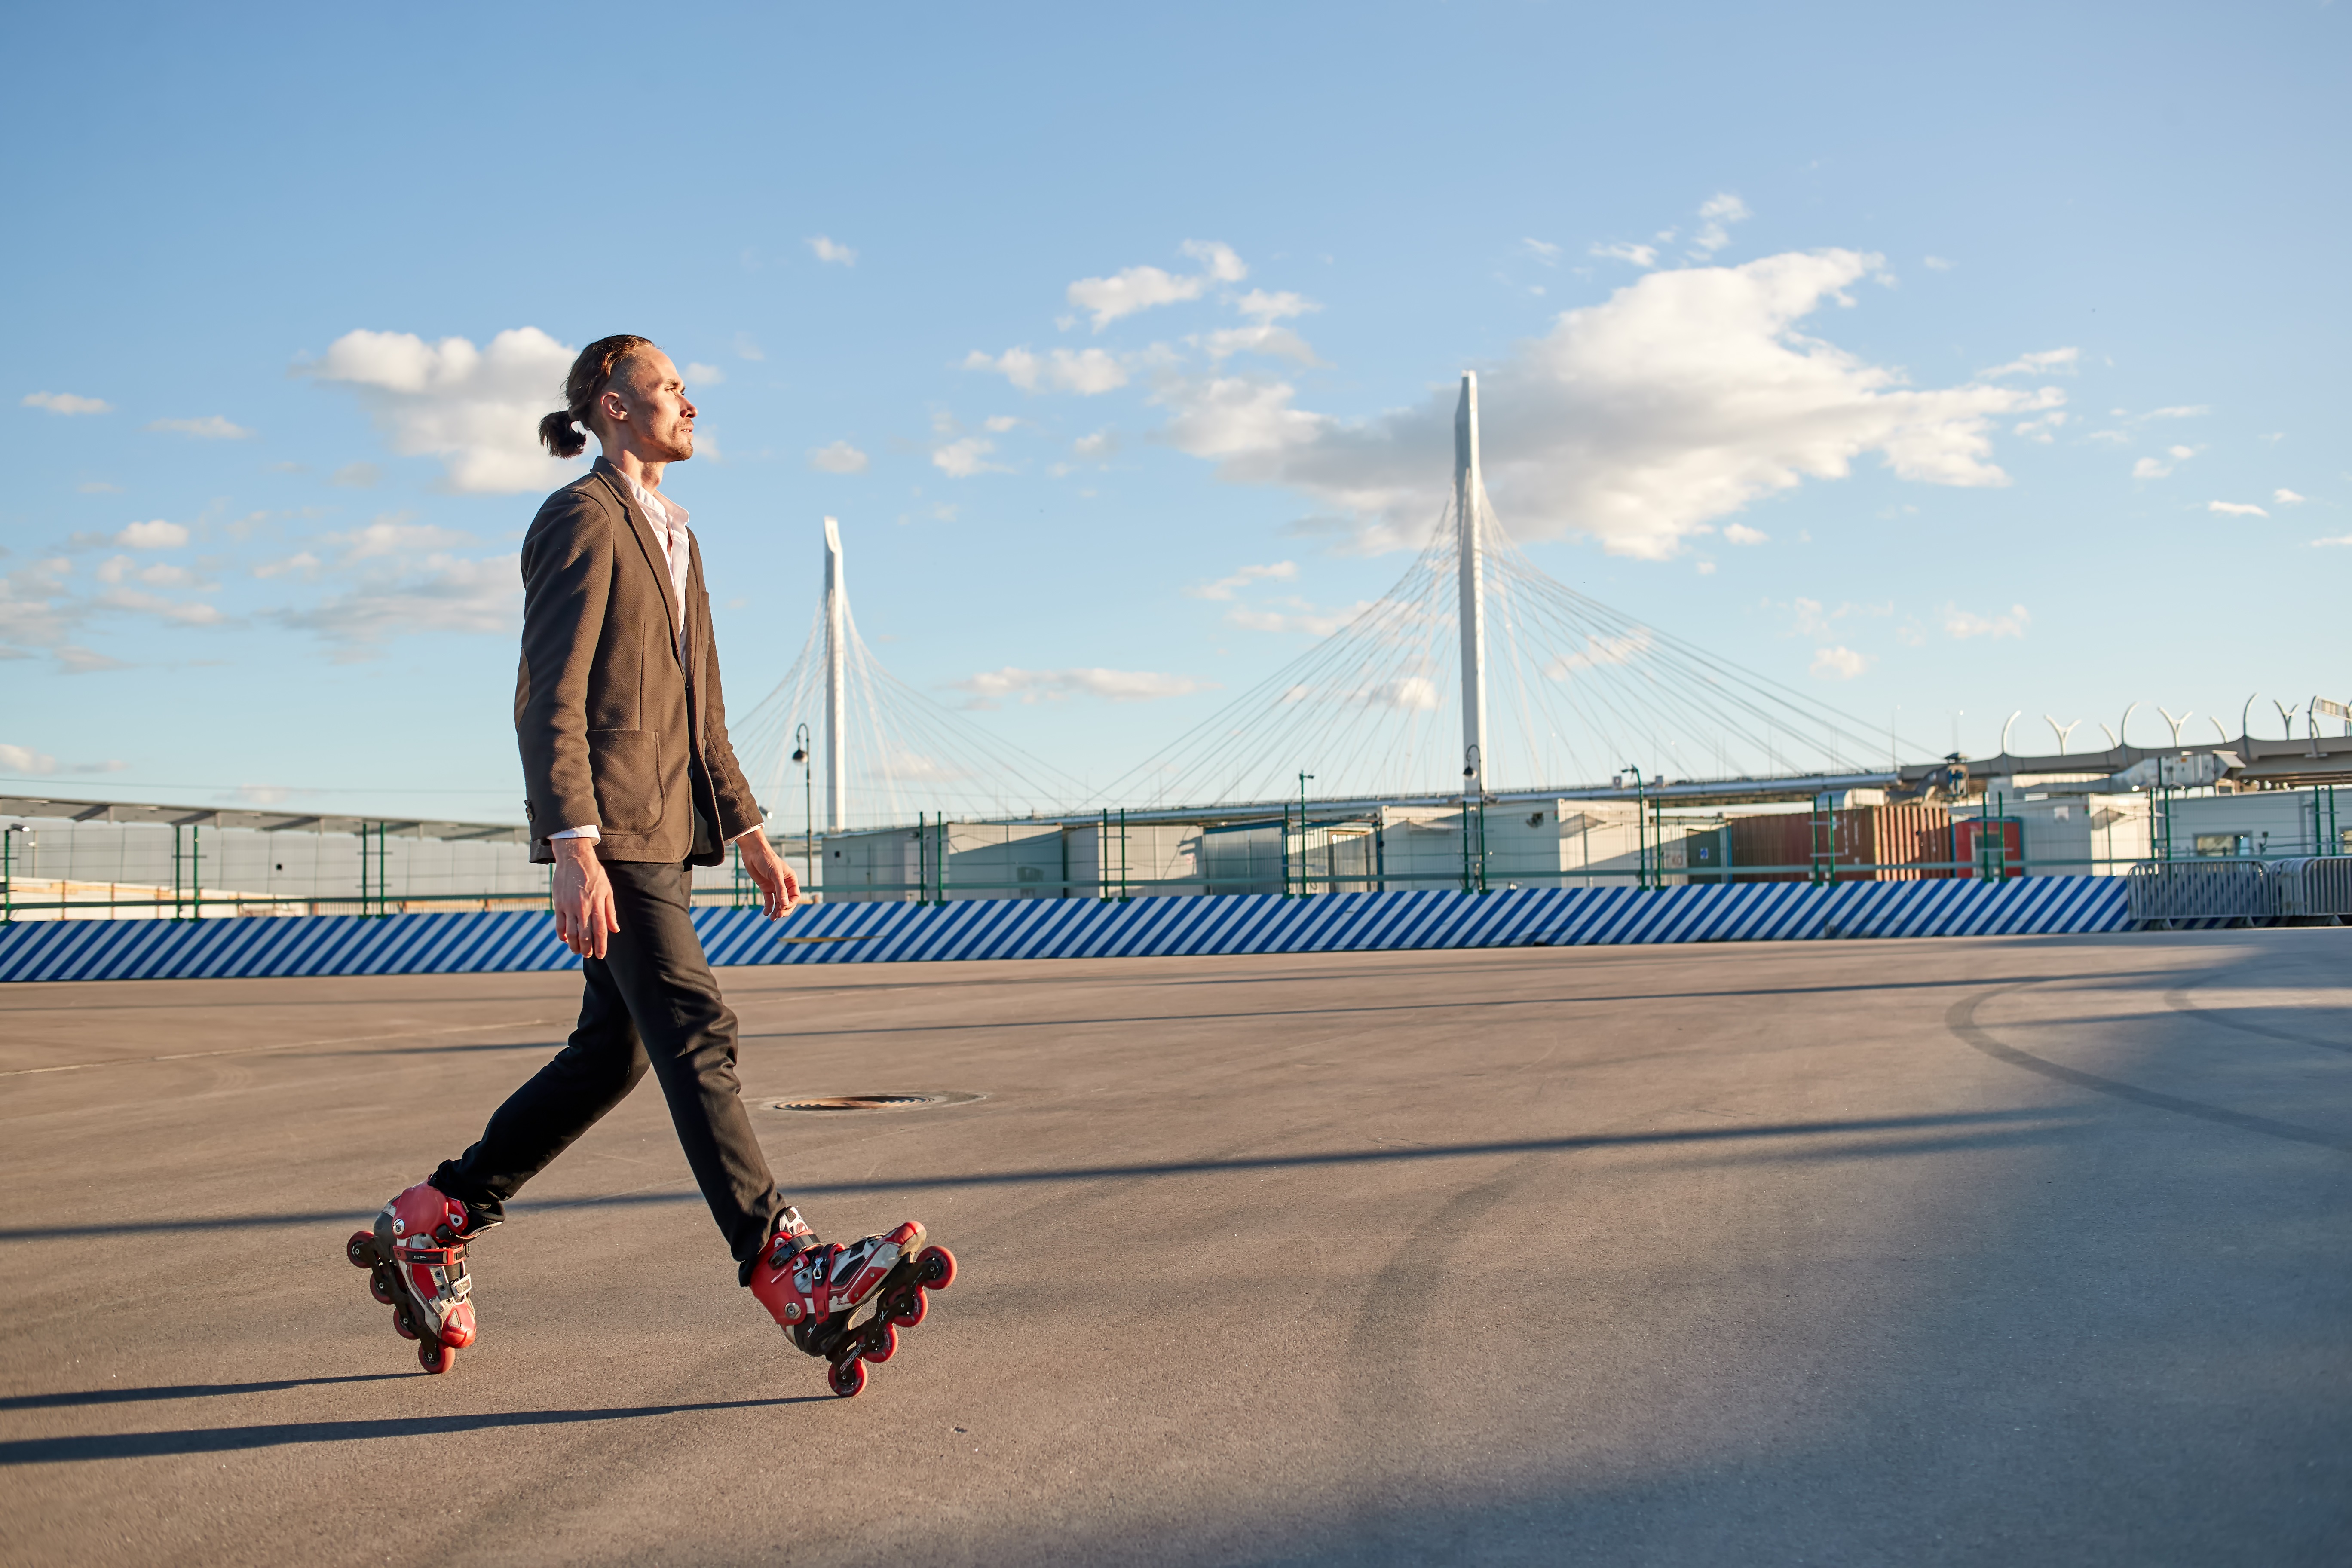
point(626, 765)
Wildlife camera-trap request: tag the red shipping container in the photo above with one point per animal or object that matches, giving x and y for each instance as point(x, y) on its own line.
point(1994, 849)
point(1862, 844)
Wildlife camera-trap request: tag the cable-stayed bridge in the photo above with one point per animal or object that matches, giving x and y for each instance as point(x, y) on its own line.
point(1477, 673)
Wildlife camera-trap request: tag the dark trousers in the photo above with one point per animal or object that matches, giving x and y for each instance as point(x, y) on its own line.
point(651, 1000)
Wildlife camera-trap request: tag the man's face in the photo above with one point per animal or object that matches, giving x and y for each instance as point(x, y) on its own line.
point(660, 419)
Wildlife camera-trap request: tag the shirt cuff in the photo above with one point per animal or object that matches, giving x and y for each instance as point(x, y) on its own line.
point(589, 833)
point(748, 833)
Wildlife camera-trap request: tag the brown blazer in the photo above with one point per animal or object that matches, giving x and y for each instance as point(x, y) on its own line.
point(614, 731)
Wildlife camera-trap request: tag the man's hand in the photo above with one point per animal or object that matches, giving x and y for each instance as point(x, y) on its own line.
point(583, 899)
point(780, 889)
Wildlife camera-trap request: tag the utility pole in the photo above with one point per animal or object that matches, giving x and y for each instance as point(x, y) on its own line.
point(836, 697)
point(1469, 495)
point(801, 743)
point(1303, 777)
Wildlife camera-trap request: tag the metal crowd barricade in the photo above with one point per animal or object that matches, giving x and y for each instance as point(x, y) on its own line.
point(2220, 890)
point(2313, 885)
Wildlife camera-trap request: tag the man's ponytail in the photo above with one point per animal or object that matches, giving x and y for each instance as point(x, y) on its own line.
point(562, 434)
point(561, 431)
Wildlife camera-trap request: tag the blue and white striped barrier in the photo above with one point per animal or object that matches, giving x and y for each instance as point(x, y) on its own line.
point(1080, 928)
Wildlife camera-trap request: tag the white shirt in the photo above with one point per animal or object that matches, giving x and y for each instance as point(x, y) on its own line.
point(669, 520)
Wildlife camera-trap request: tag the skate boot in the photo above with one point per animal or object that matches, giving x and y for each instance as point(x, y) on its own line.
point(847, 1304)
point(416, 1259)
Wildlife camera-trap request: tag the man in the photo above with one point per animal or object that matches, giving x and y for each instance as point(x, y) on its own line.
point(632, 783)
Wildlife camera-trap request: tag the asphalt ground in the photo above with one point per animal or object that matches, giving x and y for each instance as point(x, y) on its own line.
point(1967, 1251)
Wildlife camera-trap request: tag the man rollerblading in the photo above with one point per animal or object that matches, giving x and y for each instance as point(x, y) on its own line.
point(631, 782)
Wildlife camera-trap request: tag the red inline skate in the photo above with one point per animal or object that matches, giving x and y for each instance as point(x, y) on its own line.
point(416, 1259)
point(847, 1304)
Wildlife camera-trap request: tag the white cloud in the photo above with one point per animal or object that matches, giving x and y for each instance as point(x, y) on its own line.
point(709, 374)
point(2158, 467)
point(1645, 256)
point(962, 458)
point(1142, 288)
point(156, 535)
point(155, 573)
point(1085, 371)
point(1299, 616)
point(2044, 428)
point(1226, 587)
point(1937, 264)
point(1100, 445)
point(1740, 533)
point(1839, 663)
point(2286, 498)
point(746, 348)
point(2234, 509)
point(392, 534)
point(67, 403)
point(476, 409)
point(1545, 252)
point(1964, 624)
point(1716, 214)
point(991, 688)
point(23, 760)
point(1278, 342)
point(1599, 650)
point(2048, 361)
point(2179, 411)
point(2341, 539)
point(301, 562)
point(172, 610)
point(1266, 307)
point(838, 457)
point(356, 475)
point(211, 428)
point(439, 594)
point(998, 424)
point(828, 249)
point(1686, 396)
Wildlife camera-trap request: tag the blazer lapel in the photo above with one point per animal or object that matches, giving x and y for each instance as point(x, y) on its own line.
point(648, 545)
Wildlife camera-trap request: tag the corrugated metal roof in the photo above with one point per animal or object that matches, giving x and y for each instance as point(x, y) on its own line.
point(56, 808)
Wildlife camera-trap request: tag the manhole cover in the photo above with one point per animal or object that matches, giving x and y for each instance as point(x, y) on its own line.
point(873, 1101)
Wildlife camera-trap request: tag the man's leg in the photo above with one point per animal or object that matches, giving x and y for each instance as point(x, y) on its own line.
point(656, 961)
point(592, 1073)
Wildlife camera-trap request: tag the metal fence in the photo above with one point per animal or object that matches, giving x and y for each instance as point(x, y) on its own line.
point(2234, 892)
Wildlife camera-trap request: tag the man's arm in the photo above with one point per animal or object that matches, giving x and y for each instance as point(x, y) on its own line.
point(567, 578)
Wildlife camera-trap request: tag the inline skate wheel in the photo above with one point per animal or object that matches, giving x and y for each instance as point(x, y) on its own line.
point(403, 1324)
point(436, 1357)
point(881, 1342)
point(361, 1249)
point(909, 1309)
point(935, 1267)
point(847, 1377)
point(380, 1287)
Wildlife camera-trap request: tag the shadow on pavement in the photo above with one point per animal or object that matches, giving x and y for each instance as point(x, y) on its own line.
point(1990, 1125)
point(228, 1439)
point(181, 1390)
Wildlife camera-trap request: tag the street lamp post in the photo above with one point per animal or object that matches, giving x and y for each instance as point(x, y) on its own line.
point(1303, 777)
point(808, 803)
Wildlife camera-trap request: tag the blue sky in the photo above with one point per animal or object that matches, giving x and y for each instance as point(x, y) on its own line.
point(1780, 312)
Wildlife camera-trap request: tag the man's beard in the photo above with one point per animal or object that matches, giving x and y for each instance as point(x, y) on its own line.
point(677, 445)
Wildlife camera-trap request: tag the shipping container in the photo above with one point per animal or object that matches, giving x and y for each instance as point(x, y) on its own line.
point(1862, 844)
